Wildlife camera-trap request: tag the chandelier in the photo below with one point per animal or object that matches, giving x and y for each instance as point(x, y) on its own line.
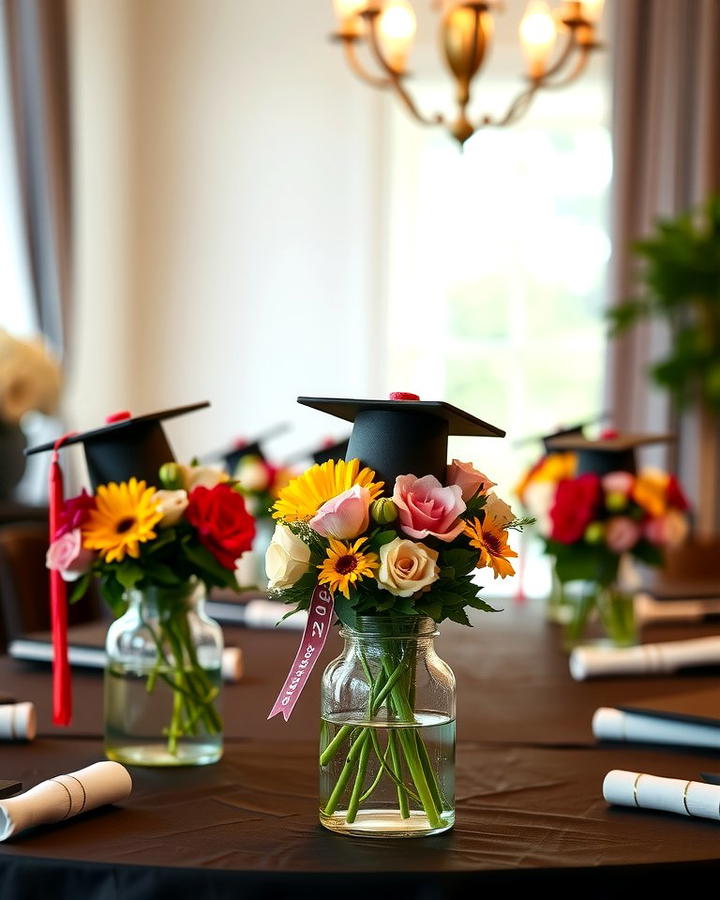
point(388, 27)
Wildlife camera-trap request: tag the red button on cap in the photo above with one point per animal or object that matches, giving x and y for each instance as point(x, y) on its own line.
point(118, 417)
point(609, 434)
point(401, 395)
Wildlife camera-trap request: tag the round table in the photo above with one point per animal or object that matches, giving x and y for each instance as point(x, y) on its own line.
point(530, 811)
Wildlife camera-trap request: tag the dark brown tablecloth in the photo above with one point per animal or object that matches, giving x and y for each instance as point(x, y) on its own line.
point(530, 808)
point(513, 683)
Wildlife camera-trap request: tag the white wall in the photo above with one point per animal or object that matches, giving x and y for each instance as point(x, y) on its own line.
point(250, 200)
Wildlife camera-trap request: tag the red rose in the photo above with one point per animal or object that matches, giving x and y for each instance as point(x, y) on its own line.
point(74, 512)
point(223, 524)
point(674, 495)
point(576, 501)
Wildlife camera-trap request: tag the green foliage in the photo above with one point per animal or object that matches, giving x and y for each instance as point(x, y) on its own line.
point(680, 284)
point(584, 562)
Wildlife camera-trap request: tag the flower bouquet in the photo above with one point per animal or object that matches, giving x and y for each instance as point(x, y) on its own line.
point(598, 524)
point(29, 382)
point(152, 547)
point(396, 559)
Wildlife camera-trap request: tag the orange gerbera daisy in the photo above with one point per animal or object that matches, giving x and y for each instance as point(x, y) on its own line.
point(492, 542)
point(346, 564)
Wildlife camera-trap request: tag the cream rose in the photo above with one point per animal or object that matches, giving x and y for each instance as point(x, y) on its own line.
point(407, 567)
point(497, 510)
point(172, 505)
point(287, 559)
point(202, 476)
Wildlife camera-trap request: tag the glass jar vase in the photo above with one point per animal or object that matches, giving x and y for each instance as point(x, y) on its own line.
point(601, 614)
point(162, 680)
point(387, 739)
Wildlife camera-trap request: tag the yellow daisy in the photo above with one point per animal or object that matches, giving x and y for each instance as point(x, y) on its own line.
point(491, 540)
point(345, 565)
point(124, 518)
point(304, 495)
point(650, 491)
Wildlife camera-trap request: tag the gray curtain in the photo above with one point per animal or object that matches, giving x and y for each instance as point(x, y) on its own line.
point(667, 159)
point(38, 52)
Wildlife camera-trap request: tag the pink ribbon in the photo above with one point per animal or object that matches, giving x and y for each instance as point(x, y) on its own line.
point(313, 640)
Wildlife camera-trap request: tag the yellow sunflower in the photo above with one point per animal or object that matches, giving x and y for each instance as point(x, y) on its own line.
point(491, 540)
point(124, 518)
point(346, 564)
point(303, 496)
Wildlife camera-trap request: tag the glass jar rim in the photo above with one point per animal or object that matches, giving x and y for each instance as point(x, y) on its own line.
point(391, 627)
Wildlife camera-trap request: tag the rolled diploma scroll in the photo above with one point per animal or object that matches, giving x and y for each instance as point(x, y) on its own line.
point(18, 722)
point(232, 666)
point(688, 798)
point(65, 796)
point(610, 724)
point(646, 659)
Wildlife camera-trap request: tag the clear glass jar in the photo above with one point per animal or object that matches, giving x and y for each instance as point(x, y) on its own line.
point(602, 614)
point(163, 680)
point(387, 738)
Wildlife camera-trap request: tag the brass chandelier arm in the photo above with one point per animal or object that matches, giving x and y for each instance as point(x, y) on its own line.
point(580, 66)
point(349, 43)
point(394, 77)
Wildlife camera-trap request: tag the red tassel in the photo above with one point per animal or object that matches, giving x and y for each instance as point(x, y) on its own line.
point(62, 687)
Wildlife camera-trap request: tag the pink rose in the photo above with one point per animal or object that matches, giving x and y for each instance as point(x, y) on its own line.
point(468, 478)
point(427, 509)
point(621, 534)
point(67, 555)
point(345, 516)
point(618, 483)
point(668, 530)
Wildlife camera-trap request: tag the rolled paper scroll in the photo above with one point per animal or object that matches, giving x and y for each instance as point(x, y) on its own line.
point(65, 796)
point(646, 659)
point(611, 724)
point(18, 722)
point(688, 798)
point(648, 610)
point(232, 667)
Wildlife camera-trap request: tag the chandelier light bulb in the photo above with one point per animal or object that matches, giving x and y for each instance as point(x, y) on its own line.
point(348, 16)
point(592, 10)
point(396, 29)
point(537, 35)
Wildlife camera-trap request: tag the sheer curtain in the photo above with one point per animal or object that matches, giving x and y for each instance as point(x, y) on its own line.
point(667, 159)
point(37, 65)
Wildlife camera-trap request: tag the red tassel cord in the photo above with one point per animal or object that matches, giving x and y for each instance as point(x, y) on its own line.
point(62, 687)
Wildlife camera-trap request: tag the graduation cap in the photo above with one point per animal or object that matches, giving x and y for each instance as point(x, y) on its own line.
point(402, 435)
point(241, 448)
point(611, 452)
point(123, 448)
point(331, 449)
point(563, 431)
point(126, 446)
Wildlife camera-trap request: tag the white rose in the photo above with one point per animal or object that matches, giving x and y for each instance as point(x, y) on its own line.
point(202, 476)
point(287, 559)
point(538, 500)
point(407, 567)
point(253, 474)
point(172, 505)
point(497, 510)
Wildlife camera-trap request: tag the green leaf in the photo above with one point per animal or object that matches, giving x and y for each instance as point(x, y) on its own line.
point(210, 570)
point(344, 610)
point(431, 608)
point(462, 561)
point(128, 574)
point(80, 587)
point(459, 615)
point(648, 553)
point(113, 594)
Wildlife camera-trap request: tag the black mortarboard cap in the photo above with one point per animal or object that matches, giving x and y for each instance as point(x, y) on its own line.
point(402, 435)
point(127, 446)
point(241, 448)
point(561, 431)
point(331, 450)
point(608, 453)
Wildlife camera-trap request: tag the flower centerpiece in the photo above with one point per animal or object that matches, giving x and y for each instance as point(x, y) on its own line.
point(395, 559)
point(598, 524)
point(154, 543)
point(29, 382)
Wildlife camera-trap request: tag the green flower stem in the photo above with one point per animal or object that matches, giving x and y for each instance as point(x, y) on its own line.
point(402, 793)
point(333, 747)
point(344, 776)
point(440, 801)
point(378, 776)
point(384, 767)
point(359, 782)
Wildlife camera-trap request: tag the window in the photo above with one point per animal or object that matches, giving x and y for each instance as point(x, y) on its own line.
point(496, 271)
